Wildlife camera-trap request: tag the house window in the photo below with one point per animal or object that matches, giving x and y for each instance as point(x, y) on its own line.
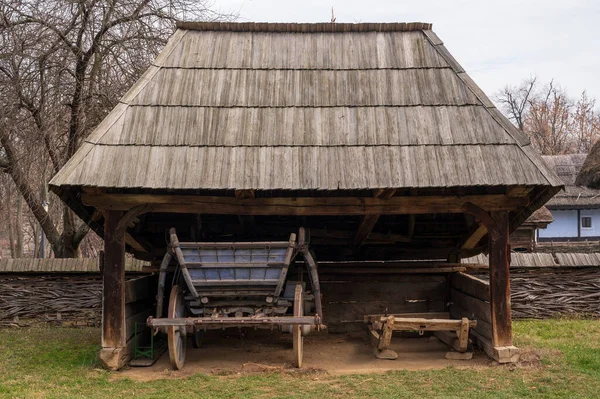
point(586, 222)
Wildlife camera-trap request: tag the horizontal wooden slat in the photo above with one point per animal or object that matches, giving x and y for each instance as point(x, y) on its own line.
point(269, 50)
point(229, 265)
point(250, 282)
point(60, 265)
point(471, 285)
point(422, 324)
point(303, 205)
point(480, 309)
point(305, 126)
point(304, 88)
point(483, 327)
point(234, 245)
point(302, 320)
point(330, 168)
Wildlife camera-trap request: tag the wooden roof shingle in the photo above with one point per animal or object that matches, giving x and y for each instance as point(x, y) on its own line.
point(305, 106)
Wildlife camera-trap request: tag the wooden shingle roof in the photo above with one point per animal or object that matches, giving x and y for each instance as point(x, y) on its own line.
point(302, 107)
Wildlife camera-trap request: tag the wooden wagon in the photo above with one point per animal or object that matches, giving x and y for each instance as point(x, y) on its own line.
point(218, 285)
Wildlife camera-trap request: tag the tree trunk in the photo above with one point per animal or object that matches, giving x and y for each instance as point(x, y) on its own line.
point(11, 234)
point(19, 228)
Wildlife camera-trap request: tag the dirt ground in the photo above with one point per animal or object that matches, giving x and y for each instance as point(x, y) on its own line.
point(225, 352)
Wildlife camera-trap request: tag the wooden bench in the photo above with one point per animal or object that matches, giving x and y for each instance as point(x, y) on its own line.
point(454, 333)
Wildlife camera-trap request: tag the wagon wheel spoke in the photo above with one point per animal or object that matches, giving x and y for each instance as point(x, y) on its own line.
point(297, 338)
point(176, 335)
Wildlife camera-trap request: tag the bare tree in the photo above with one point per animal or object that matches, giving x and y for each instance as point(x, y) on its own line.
point(515, 100)
point(549, 122)
point(586, 124)
point(63, 66)
point(555, 123)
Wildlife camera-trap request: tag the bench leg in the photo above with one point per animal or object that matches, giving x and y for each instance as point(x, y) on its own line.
point(463, 335)
point(386, 334)
point(382, 350)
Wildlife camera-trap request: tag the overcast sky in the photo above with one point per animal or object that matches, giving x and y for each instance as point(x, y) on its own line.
point(497, 42)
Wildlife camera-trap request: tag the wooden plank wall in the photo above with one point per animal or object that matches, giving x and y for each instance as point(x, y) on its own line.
point(346, 299)
point(140, 303)
point(470, 297)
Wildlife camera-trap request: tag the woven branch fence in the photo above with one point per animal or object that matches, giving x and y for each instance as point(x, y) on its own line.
point(74, 300)
point(545, 294)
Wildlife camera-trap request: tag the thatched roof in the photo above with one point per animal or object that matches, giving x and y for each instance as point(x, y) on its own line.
point(303, 107)
point(589, 175)
point(575, 196)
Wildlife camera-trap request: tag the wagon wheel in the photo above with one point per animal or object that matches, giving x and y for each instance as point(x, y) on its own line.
point(297, 338)
point(197, 338)
point(176, 335)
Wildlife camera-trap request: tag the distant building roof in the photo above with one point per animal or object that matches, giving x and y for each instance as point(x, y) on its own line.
point(590, 171)
point(540, 218)
point(534, 260)
point(567, 167)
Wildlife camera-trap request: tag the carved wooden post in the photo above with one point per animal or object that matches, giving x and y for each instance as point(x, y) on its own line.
point(113, 354)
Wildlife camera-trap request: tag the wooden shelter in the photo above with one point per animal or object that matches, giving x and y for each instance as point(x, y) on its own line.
point(371, 135)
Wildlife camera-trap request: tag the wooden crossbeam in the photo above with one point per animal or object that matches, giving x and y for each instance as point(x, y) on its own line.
point(135, 244)
point(303, 206)
point(471, 240)
point(369, 221)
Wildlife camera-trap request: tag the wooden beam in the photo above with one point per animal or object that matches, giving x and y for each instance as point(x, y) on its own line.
point(247, 221)
point(482, 216)
point(303, 206)
point(130, 218)
point(113, 353)
point(369, 221)
point(500, 282)
point(135, 244)
point(471, 240)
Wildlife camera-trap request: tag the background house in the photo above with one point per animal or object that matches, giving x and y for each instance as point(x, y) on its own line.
point(524, 238)
point(576, 210)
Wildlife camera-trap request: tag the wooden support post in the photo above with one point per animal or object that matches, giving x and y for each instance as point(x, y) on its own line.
point(499, 258)
point(113, 354)
point(497, 226)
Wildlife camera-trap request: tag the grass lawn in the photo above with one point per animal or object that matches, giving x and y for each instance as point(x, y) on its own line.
point(61, 363)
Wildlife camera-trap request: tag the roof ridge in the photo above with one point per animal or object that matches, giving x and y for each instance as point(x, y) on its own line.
point(304, 27)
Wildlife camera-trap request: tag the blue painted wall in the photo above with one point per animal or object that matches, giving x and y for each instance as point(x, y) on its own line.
point(564, 225)
point(566, 221)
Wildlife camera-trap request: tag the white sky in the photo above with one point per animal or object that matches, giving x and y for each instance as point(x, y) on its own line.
point(497, 42)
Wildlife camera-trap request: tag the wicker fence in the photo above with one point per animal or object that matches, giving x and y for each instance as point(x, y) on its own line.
point(542, 285)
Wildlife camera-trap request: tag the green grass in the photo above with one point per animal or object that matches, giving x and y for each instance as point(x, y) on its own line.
point(61, 363)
